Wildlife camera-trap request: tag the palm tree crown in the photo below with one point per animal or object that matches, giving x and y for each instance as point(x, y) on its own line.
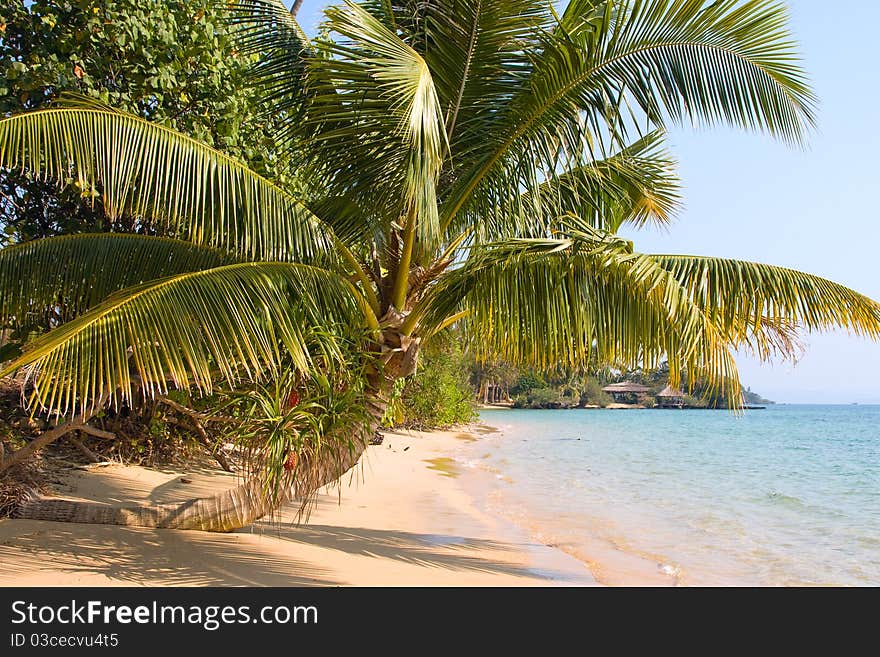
point(450, 162)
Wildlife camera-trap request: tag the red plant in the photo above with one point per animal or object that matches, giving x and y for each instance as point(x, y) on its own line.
point(292, 399)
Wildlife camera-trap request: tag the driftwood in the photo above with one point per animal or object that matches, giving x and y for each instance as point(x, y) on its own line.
point(196, 420)
point(44, 439)
point(89, 454)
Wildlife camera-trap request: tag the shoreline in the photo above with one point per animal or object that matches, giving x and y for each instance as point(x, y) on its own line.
point(610, 563)
point(771, 498)
point(404, 517)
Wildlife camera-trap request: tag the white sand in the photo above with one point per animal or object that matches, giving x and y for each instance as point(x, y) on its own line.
point(402, 521)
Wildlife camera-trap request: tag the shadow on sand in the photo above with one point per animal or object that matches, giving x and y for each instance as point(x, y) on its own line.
point(448, 552)
point(31, 550)
point(134, 556)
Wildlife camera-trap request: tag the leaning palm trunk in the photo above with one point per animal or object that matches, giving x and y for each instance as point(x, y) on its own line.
point(224, 512)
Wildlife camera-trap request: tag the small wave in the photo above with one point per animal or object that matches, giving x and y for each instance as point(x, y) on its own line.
point(669, 569)
point(782, 498)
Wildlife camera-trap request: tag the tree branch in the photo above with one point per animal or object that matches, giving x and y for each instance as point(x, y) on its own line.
point(80, 445)
point(196, 419)
point(205, 441)
point(46, 438)
point(202, 417)
point(97, 433)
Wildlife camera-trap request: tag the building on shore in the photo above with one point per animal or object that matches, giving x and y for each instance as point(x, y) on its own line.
point(670, 397)
point(627, 392)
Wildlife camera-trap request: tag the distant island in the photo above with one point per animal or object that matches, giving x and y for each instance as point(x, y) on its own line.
point(634, 389)
point(750, 397)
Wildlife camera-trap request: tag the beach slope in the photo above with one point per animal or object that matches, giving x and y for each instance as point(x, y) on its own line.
point(401, 519)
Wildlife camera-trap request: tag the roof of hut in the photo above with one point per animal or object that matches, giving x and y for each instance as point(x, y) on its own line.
point(626, 386)
point(669, 391)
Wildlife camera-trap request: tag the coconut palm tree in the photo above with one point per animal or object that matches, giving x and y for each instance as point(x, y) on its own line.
point(451, 162)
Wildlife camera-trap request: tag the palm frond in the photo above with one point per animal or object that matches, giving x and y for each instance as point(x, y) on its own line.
point(753, 302)
point(379, 124)
point(477, 53)
point(267, 30)
point(637, 185)
point(727, 61)
point(72, 273)
point(266, 26)
point(152, 172)
point(193, 329)
point(576, 300)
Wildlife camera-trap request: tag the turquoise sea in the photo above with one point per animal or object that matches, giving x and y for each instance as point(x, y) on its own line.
point(789, 495)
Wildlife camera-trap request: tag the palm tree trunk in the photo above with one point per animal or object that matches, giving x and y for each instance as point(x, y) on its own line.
point(294, 10)
point(224, 512)
point(243, 505)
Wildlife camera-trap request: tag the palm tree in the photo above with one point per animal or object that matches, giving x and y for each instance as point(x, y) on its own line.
point(451, 162)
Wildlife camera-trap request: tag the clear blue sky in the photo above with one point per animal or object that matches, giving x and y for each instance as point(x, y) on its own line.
point(816, 209)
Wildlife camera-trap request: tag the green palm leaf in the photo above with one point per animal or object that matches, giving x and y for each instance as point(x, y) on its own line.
point(637, 185)
point(393, 148)
point(585, 297)
point(753, 302)
point(72, 273)
point(476, 52)
point(267, 29)
point(152, 172)
point(727, 61)
point(194, 329)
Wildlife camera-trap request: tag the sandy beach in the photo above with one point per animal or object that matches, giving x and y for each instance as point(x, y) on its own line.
point(404, 518)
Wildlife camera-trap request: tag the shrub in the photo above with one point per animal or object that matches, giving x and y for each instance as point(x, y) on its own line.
point(695, 402)
point(546, 397)
point(439, 394)
point(593, 395)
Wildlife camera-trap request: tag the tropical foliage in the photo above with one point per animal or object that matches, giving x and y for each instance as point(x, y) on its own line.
point(448, 163)
point(171, 62)
point(439, 395)
point(558, 389)
point(288, 428)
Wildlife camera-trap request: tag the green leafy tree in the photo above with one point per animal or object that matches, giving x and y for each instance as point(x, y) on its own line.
point(547, 397)
point(528, 381)
point(593, 395)
point(453, 163)
point(170, 62)
point(439, 395)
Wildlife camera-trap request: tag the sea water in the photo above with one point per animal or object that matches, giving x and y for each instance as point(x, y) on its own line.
point(789, 495)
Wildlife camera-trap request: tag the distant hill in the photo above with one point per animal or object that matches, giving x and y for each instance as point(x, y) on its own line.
point(754, 399)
